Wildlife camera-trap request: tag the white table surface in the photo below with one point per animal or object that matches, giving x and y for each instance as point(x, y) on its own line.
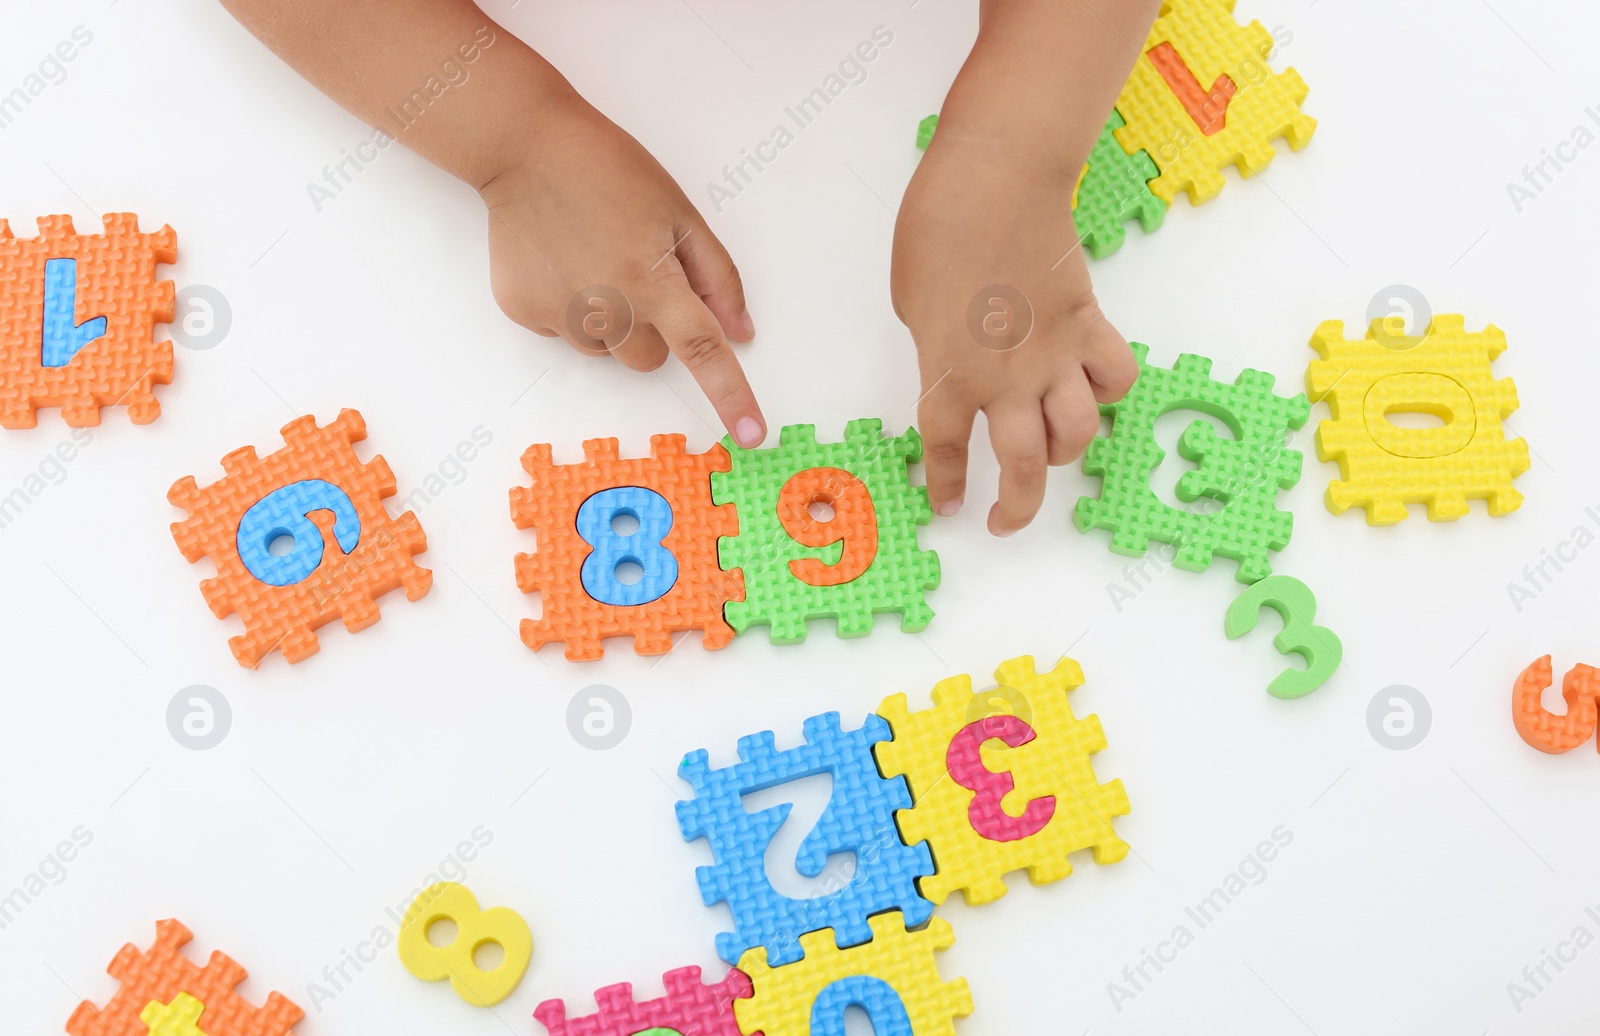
point(1418, 883)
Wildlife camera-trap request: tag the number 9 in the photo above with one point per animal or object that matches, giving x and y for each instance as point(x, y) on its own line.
point(285, 512)
point(854, 524)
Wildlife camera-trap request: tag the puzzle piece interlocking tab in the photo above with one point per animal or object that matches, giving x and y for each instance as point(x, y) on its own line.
point(690, 1007)
point(347, 550)
point(863, 561)
point(894, 978)
point(179, 1018)
point(1240, 475)
point(160, 977)
point(77, 320)
point(1202, 96)
point(1113, 188)
point(1001, 781)
point(1444, 372)
point(696, 591)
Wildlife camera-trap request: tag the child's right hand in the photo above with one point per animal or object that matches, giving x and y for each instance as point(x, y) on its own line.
point(590, 239)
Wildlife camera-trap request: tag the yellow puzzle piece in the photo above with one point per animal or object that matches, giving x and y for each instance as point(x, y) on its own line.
point(179, 1018)
point(893, 978)
point(1002, 781)
point(1202, 97)
point(1444, 372)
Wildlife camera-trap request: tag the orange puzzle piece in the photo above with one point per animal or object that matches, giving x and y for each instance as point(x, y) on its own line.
point(1542, 728)
point(554, 570)
point(161, 973)
point(114, 275)
point(344, 582)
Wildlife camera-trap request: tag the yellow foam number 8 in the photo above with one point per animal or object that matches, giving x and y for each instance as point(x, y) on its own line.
point(1318, 645)
point(475, 928)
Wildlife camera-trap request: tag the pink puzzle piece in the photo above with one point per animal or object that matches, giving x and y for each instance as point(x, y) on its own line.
point(690, 1007)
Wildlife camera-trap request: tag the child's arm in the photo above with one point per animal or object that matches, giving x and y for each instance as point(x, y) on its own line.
point(573, 200)
point(991, 205)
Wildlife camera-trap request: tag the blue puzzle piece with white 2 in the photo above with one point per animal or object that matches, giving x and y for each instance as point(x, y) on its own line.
point(859, 819)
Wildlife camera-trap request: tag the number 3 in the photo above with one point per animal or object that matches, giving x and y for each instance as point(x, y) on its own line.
point(964, 760)
point(1318, 645)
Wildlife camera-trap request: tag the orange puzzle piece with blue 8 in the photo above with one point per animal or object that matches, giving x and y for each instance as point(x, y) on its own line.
point(594, 520)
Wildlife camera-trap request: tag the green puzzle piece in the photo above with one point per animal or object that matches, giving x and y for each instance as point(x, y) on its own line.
point(1242, 474)
point(1115, 188)
point(899, 572)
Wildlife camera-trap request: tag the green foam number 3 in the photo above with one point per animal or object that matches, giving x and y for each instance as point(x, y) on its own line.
point(1318, 645)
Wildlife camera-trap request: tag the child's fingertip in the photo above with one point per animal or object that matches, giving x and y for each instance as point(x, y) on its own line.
point(948, 508)
point(994, 524)
point(749, 431)
point(748, 324)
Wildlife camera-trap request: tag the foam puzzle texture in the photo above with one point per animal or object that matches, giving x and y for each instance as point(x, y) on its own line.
point(1028, 796)
point(1545, 730)
point(86, 339)
point(1202, 97)
point(776, 596)
point(894, 978)
point(690, 1007)
point(1113, 189)
point(1446, 372)
point(162, 975)
point(1240, 476)
point(699, 589)
point(342, 584)
point(859, 819)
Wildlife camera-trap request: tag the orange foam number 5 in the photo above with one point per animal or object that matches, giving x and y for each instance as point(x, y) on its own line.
point(1548, 731)
point(1208, 110)
point(854, 524)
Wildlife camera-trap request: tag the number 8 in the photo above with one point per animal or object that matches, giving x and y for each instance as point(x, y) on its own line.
point(642, 547)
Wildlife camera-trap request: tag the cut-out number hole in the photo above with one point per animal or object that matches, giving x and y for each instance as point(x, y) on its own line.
point(628, 572)
point(281, 544)
point(624, 523)
point(442, 932)
point(807, 797)
point(857, 1022)
point(488, 955)
point(1164, 479)
point(821, 510)
point(1413, 419)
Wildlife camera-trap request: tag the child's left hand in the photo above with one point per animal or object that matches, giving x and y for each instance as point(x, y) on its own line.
point(1035, 354)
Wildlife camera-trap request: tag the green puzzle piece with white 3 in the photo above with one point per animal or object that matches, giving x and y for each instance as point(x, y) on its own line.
point(897, 573)
point(1241, 475)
